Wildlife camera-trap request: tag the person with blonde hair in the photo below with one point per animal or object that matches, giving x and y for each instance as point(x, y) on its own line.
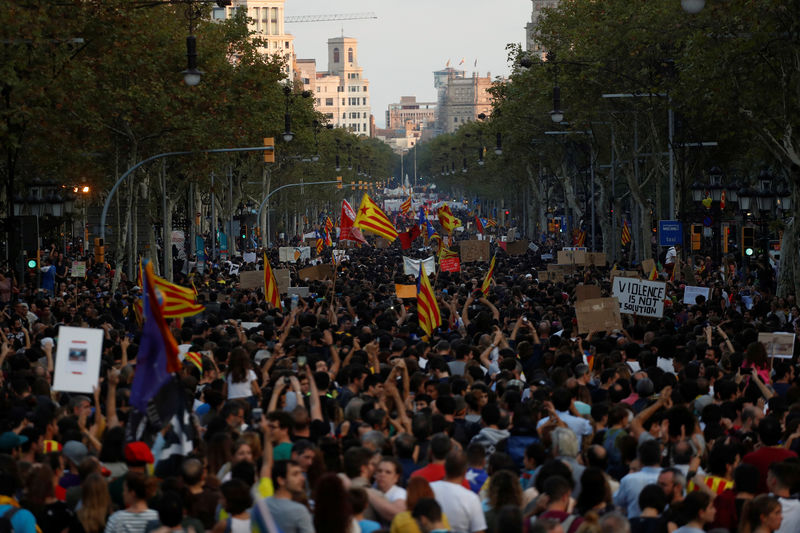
point(95, 506)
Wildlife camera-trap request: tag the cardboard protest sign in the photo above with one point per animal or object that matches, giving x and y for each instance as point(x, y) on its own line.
point(78, 359)
point(517, 247)
point(571, 257)
point(640, 297)
point(283, 279)
point(598, 314)
point(472, 251)
point(79, 269)
point(450, 264)
point(251, 279)
point(648, 265)
point(690, 294)
point(556, 276)
point(780, 345)
point(587, 292)
point(596, 259)
point(411, 266)
point(316, 272)
point(381, 243)
point(405, 291)
point(292, 254)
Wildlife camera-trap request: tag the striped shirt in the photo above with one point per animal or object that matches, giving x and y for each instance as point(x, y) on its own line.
point(127, 522)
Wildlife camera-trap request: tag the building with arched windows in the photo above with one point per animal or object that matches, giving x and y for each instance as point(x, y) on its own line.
point(341, 93)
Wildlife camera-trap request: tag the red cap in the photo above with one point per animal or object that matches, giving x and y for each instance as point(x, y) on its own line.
point(138, 452)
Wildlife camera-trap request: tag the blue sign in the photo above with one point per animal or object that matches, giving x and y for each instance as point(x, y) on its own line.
point(670, 232)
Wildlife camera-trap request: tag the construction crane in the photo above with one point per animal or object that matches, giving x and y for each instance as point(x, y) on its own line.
point(335, 16)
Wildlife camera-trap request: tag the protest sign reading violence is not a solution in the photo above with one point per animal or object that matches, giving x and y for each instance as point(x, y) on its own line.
point(640, 297)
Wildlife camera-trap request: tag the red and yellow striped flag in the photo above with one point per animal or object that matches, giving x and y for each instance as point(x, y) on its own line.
point(178, 301)
point(653, 274)
point(405, 207)
point(196, 359)
point(427, 308)
point(487, 281)
point(271, 292)
point(370, 217)
point(328, 224)
point(626, 233)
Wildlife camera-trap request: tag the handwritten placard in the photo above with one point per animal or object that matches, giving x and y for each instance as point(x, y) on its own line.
point(640, 297)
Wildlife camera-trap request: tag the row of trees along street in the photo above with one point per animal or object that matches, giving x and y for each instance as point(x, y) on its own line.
point(729, 73)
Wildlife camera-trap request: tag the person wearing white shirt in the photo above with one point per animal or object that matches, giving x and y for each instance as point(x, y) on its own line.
point(779, 478)
point(461, 506)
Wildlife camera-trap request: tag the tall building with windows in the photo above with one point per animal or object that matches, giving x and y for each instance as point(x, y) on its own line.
point(460, 99)
point(341, 93)
point(532, 43)
point(267, 22)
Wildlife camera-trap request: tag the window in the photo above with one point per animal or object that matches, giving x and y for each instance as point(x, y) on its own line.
point(317, 101)
point(329, 115)
point(274, 21)
point(286, 44)
point(344, 115)
point(335, 55)
point(363, 101)
point(329, 101)
point(342, 101)
point(264, 20)
point(349, 55)
point(455, 119)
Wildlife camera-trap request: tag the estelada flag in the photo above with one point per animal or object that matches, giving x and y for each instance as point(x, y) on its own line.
point(271, 292)
point(427, 308)
point(346, 230)
point(370, 217)
point(487, 281)
point(479, 224)
point(446, 218)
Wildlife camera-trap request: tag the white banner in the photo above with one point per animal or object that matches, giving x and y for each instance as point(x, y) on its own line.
point(691, 293)
point(249, 257)
point(640, 297)
point(78, 359)
point(411, 266)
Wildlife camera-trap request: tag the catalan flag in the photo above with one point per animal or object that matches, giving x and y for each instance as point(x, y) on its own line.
point(446, 253)
point(271, 291)
point(158, 351)
point(653, 274)
point(487, 281)
point(320, 245)
point(446, 218)
point(328, 225)
point(626, 233)
point(489, 222)
point(423, 217)
point(196, 359)
point(432, 234)
point(178, 301)
point(370, 217)
point(427, 308)
point(405, 207)
point(580, 237)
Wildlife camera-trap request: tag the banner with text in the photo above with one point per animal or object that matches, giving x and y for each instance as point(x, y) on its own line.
point(640, 297)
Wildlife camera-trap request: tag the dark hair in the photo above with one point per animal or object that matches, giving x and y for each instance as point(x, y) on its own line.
point(455, 465)
point(556, 487)
point(561, 399)
point(552, 468)
point(722, 455)
point(358, 499)
point(694, 502)
point(280, 470)
point(429, 508)
point(653, 496)
point(440, 446)
point(745, 478)
point(354, 459)
point(237, 496)
point(650, 452)
point(136, 482)
point(332, 511)
point(769, 431)
point(787, 474)
point(754, 509)
point(170, 509)
point(594, 489)
point(476, 453)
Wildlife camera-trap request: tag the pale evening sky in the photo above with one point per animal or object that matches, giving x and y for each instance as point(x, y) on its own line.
point(411, 38)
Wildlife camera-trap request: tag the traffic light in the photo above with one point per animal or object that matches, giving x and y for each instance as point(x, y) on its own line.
point(697, 235)
point(99, 251)
point(338, 182)
point(32, 263)
point(244, 231)
point(748, 240)
point(269, 155)
point(506, 212)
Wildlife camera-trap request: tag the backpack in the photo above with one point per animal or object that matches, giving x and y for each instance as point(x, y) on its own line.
point(5, 520)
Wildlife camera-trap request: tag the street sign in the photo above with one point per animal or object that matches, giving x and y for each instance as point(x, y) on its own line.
point(707, 221)
point(670, 232)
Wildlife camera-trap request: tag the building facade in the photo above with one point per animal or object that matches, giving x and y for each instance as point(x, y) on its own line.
point(532, 43)
point(460, 98)
point(267, 20)
point(408, 109)
point(341, 93)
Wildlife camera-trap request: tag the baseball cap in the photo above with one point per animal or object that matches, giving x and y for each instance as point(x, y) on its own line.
point(75, 451)
point(10, 440)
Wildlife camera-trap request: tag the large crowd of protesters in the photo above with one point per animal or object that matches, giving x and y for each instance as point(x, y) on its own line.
point(336, 414)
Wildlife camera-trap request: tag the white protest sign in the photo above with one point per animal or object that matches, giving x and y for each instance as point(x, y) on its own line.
point(79, 269)
point(411, 266)
point(340, 255)
point(249, 257)
point(78, 359)
point(640, 297)
point(292, 254)
point(778, 344)
point(234, 270)
point(691, 293)
point(250, 325)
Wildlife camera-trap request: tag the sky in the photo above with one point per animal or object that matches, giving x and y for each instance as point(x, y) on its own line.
point(411, 38)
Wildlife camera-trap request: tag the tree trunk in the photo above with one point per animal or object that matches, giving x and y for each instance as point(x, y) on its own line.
point(789, 270)
point(536, 203)
point(122, 241)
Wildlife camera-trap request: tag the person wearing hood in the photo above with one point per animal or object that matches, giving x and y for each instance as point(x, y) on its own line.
point(494, 429)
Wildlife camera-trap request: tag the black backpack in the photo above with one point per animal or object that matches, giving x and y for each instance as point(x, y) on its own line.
point(5, 520)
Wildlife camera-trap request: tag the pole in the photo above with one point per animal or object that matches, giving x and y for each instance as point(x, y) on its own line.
point(165, 239)
point(613, 199)
point(591, 166)
point(213, 222)
point(267, 197)
point(415, 165)
point(402, 172)
point(671, 121)
point(231, 236)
